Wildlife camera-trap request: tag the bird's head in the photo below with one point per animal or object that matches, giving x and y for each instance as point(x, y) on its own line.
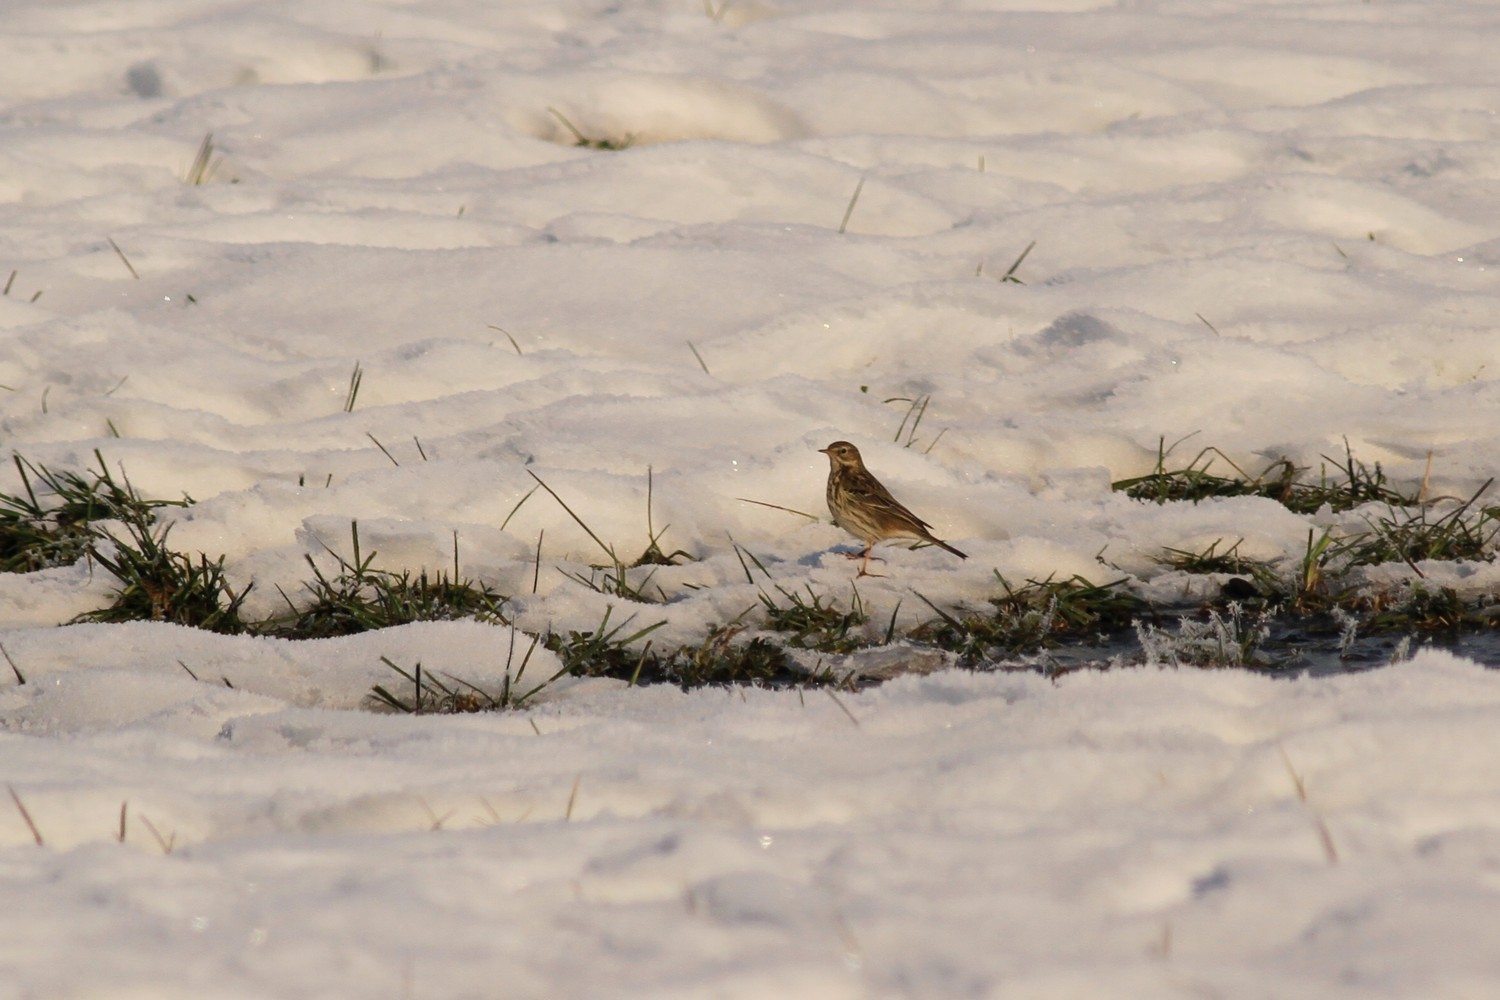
point(842, 453)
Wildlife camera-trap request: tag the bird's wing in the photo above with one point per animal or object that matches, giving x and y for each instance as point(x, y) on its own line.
point(871, 491)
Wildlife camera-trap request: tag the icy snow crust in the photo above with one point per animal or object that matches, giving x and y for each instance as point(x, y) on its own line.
point(1273, 224)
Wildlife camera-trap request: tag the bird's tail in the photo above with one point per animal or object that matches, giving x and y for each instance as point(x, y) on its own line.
point(944, 545)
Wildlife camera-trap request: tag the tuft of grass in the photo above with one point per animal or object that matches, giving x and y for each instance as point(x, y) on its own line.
point(157, 583)
point(1231, 639)
point(1360, 484)
point(1424, 609)
point(815, 622)
point(359, 598)
point(1079, 606)
point(51, 521)
point(1463, 533)
point(1440, 610)
point(34, 535)
point(1321, 593)
point(975, 636)
point(603, 652)
point(435, 696)
point(431, 695)
point(590, 142)
point(1208, 560)
point(1027, 619)
point(726, 656)
point(58, 519)
point(1319, 589)
point(1281, 481)
point(720, 661)
point(1315, 584)
point(654, 556)
point(1193, 481)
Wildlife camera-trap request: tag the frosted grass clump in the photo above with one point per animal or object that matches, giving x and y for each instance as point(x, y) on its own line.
point(1222, 640)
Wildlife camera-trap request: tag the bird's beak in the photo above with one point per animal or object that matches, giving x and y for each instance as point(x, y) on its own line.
point(822, 451)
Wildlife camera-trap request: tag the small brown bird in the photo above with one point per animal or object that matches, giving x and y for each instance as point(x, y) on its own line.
point(866, 509)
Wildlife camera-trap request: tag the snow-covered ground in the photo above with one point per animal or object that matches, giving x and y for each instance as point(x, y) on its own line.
point(1274, 226)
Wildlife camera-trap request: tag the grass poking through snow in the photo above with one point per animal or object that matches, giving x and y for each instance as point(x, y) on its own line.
point(1261, 608)
point(592, 142)
point(356, 597)
point(1033, 617)
point(1353, 484)
point(158, 583)
point(815, 622)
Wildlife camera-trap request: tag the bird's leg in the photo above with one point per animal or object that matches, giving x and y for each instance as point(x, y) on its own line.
point(864, 557)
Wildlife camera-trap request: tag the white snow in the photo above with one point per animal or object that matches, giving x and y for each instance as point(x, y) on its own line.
point(1266, 224)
